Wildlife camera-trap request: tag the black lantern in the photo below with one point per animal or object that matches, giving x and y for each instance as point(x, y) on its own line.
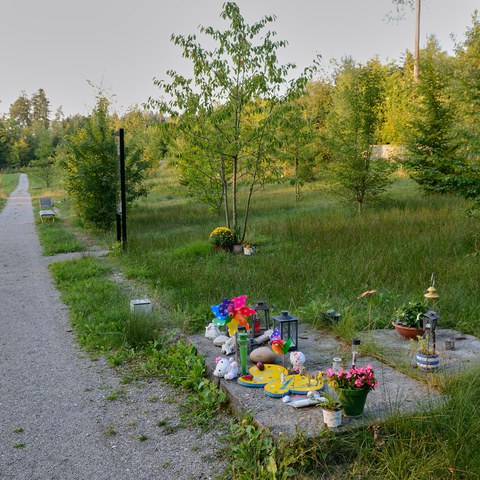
point(288, 326)
point(430, 320)
point(261, 320)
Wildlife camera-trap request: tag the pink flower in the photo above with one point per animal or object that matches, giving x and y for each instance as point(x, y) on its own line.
point(330, 372)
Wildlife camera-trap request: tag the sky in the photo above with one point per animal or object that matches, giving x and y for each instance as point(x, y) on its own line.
point(66, 46)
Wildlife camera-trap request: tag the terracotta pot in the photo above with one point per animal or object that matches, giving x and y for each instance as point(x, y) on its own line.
point(408, 332)
point(237, 248)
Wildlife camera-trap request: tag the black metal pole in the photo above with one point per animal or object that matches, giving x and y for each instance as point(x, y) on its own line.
point(118, 218)
point(123, 201)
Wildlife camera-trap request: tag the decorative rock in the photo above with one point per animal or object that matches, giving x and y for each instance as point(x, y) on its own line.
point(220, 340)
point(262, 354)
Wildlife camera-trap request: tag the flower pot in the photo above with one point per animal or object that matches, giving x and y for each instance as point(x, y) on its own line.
point(408, 332)
point(332, 418)
point(237, 248)
point(428, 363)
point(353, 401)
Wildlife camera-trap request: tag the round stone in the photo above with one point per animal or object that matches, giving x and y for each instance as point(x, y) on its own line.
point(262, 354)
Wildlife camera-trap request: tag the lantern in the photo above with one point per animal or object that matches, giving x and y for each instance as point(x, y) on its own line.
point(430, 320)
point(355, 342)
point(261, 320)
point(288, 326)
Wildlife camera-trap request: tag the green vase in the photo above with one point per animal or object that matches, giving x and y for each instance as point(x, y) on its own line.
point(353, 401)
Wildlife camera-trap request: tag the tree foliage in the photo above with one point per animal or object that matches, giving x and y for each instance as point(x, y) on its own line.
point(431, 144)
point(352, 130)
point(91, 167)
point(225, 116)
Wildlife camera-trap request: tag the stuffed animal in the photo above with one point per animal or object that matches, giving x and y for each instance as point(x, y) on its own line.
point(228, 369)
point(297, 359)
point(229, 346)
point(212, 331)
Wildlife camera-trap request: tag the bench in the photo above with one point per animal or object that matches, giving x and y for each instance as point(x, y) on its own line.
point(46, 208)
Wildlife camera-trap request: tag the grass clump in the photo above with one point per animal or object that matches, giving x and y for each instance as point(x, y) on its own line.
point(8, 183)
point(55, 238)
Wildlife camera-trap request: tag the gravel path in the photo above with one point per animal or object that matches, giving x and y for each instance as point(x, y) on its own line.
point(58, 415)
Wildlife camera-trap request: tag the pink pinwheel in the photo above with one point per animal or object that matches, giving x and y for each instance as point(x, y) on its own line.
point(238, 312)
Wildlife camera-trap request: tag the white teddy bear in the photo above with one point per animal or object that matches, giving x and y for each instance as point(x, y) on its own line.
point(228, 369)
point(297, 359)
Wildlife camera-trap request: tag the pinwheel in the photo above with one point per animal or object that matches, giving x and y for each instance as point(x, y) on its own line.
point(279, 346)
point(232, 313)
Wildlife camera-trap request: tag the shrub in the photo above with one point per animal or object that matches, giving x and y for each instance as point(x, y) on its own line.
point(222, 237)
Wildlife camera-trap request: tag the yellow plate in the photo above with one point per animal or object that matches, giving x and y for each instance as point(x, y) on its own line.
point(262, 377)
point(294, 384)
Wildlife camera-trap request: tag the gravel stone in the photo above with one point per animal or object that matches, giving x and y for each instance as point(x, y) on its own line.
point(53, 391)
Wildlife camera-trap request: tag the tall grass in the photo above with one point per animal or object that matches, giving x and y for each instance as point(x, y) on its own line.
point(310, 255)
point(8, 183)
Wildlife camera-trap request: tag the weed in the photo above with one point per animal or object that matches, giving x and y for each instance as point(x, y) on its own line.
point(143, 438)
point(19, 445)
point(162, 422)
point(18, 430)
point(153, 399)
point(166, 464)
point(115, 394)
point(110, 431)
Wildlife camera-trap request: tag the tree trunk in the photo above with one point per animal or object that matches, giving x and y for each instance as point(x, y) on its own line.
point(234, 191)
point(297, 183)
point(225, 199)
point(416, 69)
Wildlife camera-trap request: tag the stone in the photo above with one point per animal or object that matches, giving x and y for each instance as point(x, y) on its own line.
point(262, 354)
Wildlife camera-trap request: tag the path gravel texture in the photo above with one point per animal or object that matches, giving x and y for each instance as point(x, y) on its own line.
point(62, 415)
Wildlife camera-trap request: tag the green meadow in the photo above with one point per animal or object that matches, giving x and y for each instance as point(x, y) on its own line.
point(309, 256)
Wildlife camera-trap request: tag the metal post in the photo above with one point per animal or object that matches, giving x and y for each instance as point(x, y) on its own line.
point(123, 201)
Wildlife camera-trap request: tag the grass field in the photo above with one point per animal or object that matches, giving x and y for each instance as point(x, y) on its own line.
point(311, 256)
point(8, 183)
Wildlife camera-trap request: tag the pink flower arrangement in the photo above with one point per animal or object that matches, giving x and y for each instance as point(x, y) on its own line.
point(355, 378)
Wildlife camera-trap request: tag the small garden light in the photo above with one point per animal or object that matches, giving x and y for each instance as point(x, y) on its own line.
point(288, 326)
point(430, 320)
point(261, 319)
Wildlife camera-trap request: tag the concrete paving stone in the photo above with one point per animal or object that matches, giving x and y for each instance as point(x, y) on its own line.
point(397, 392)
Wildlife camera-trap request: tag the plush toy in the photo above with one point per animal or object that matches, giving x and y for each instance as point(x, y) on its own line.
point(297, 359)
point(212, 331)
point(229, 346)
point(228, 369)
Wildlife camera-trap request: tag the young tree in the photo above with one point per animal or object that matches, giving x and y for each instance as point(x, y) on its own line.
point(465, 180)
point(225, 116)
point(352, 130)
point(90, 160)
point(431, 146)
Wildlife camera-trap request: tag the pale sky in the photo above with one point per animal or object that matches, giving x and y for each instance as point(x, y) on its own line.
point(59, 45)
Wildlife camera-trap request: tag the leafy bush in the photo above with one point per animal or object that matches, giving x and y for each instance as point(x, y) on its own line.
point(222, 237)
point(90, 160)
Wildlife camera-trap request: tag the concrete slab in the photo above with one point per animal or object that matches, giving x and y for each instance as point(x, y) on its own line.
point(466, 353)
point(397, 392)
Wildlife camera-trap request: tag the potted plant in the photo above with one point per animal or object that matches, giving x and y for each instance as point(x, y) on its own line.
point(428, 359)
point(332, 410)
point(352, 386)
point(222, 238)
point(237, 239)
point(408, 321)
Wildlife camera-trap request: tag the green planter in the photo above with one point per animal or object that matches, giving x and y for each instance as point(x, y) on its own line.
point(353, 401)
